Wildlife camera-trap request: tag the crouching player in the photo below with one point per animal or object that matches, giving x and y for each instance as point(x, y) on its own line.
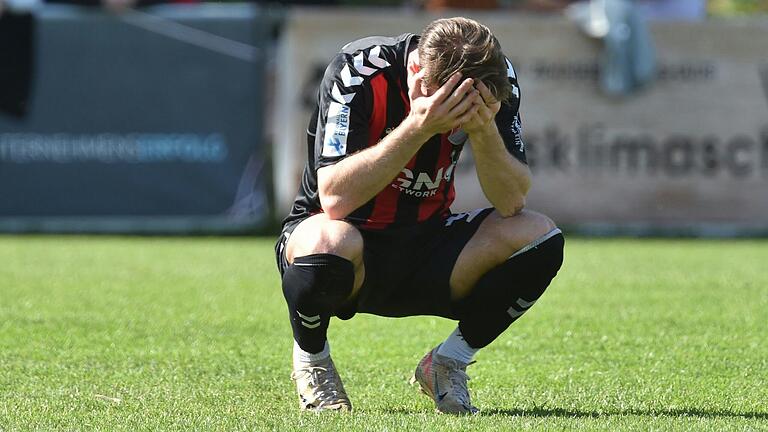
point(371, 229)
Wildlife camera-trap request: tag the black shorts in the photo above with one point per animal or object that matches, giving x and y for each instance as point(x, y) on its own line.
point(407, 271)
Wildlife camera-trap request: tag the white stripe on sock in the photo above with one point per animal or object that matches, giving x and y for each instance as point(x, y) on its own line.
point(537, 242)
point(308, 318)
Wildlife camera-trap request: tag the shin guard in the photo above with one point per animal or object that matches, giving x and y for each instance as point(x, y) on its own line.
point(507, 291)
point(314, 286)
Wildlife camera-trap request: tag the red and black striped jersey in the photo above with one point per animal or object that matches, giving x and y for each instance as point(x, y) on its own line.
point(363, 97)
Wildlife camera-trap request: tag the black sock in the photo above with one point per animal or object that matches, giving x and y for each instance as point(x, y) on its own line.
point(314, 286)
point(506, 292)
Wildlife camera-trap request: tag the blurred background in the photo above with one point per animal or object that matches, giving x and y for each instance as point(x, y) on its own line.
point(646, 117)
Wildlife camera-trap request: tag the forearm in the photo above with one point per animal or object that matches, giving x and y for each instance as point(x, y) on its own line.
point(505, 180)
point(353, 181)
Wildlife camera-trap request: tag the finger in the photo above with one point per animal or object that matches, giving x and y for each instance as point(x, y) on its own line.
point(485, 92)
point(446, 89)
point(484, 110)
point(468, 116)
point(470, 101)
point(458, 95)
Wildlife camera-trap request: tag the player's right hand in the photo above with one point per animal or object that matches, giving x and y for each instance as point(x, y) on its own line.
point(444, 110)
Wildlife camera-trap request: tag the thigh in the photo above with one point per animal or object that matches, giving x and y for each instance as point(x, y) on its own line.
point(495, 241)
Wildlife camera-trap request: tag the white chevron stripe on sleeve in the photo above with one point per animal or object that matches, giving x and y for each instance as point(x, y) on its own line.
point(341, 98)
point(360, 67)
point(348, 79)
point(375, 57)
point(510, 69)
point(311, 326)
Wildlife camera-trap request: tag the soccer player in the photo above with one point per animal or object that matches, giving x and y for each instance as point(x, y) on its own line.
point(371, 229)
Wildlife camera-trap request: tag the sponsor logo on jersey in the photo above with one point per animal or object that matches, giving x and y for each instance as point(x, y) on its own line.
point(467, 216)
point(337, 120)
point(517, 129)
point(336, 130)
point(420, 185)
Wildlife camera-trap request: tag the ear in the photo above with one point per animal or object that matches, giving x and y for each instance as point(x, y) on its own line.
point(414, 74)
point(416, 86)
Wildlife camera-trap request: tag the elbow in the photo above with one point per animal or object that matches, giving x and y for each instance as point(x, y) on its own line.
point(512, 206)
point(515, 202)
point(332, 206)
point(331, 202)
point(334, 210)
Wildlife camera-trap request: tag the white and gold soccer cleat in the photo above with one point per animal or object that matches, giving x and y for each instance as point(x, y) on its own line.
point(445, 381)
point(319, 386)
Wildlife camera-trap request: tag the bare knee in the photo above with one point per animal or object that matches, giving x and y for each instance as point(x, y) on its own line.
point(339, 238)
point(319, 234)
point(522, 229)
point(536, 224)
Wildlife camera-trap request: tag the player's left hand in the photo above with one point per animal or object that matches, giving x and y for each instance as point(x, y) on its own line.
point(487, 107)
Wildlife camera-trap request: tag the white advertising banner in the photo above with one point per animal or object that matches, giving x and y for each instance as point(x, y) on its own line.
point(688, 152)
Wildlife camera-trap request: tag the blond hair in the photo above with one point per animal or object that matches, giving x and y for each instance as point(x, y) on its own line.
point(451, 45)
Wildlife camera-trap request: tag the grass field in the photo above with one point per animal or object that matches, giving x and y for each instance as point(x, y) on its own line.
point(100, 333)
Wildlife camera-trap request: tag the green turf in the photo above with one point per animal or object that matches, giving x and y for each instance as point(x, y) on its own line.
point(191, 334)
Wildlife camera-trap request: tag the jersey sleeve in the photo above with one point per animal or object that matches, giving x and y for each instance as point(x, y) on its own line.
point(508, 120)
point(343, 115)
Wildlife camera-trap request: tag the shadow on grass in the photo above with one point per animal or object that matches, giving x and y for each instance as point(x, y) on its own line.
point(676, 412)
point(568, 413)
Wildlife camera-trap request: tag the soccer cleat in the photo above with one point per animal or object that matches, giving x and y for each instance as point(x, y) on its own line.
point(444, 380)
point(320, 387)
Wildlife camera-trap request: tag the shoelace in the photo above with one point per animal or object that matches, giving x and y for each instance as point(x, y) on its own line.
point(321, 379)
point(458, 378)
point(459, 381)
